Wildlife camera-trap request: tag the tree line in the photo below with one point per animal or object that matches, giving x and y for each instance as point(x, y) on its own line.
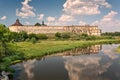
point(111, 34)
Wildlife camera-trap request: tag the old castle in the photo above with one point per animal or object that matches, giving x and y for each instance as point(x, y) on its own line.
point(90, 30)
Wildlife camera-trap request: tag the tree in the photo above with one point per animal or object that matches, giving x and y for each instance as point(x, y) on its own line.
point(37, 24)
point(23, 35)
point(32, 35)
point(65, 36)
point(58, 35)
point(3, 40)
point(42, 36)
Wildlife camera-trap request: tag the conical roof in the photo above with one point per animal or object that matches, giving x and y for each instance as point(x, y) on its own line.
point(17, 23)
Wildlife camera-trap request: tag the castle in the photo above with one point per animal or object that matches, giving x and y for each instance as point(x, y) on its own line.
point(90, 30)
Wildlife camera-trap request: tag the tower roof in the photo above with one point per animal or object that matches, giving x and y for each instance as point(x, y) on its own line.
point(17, 23)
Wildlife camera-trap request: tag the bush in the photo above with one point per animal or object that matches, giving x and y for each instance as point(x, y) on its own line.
point(65, 36)
point(42, 36)
point(58, 35)
point(33, 40)
point(32, 35)
point(23, 35)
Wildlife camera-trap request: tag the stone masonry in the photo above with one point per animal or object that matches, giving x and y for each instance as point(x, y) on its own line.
point(90, 30)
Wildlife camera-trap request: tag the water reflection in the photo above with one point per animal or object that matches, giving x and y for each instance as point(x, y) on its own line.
point(94, 67)
point(100, 65)
point(78, 51)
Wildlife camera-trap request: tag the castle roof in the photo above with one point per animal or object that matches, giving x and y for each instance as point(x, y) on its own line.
point(17, 23)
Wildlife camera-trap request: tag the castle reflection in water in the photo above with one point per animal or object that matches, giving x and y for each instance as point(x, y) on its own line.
point(94, 49)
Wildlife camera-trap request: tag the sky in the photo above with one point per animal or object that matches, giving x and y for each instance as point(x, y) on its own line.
point(103, 13)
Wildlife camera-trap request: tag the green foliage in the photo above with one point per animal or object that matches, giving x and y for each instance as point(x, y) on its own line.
point(65, 36)
point(32, 35)
point(5, 50)
point(14, 36)
point(58, 35)
point(111, 34)
point(84, 35)
point(4, 32)
point(23, 35)
point(33, 40)
point(37, 24)
point(41, 36)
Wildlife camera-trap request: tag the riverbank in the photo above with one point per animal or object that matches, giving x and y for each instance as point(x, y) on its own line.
point(28, 50)
point(118, 49)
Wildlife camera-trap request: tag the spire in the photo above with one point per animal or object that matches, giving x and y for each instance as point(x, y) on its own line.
point(17, 23)
point(43, 23)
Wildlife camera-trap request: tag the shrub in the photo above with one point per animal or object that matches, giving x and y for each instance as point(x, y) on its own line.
point(65, 36)
point(33, 40)
point(23, 35)
point(58, 35)
point(42, 36)
point(32, 35)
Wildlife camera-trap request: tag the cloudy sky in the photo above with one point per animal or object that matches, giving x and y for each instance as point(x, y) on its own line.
point(104, 13)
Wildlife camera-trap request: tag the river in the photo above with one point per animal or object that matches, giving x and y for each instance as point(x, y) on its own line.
point(97, 62)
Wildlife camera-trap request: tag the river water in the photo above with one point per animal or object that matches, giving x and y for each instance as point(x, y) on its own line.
point(98, 62)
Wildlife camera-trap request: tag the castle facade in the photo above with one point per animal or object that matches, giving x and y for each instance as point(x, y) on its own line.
point(90, 30)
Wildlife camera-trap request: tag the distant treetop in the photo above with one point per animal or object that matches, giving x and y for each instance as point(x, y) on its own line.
point(37, 24)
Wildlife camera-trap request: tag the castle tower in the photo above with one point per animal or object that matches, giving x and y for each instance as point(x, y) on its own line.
point(17, 23)
point(43, 23)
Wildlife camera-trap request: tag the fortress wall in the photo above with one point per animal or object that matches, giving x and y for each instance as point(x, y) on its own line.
point(90, 30)
point(37, 29)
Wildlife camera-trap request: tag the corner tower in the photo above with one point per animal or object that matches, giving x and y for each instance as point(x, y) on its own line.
point(17, 23)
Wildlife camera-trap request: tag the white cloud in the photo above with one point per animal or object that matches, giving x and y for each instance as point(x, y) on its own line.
point(50, 19)
point(109, 16)
point(66, 18)
point(108, 22)
point(74, 8)
point(27, 23)
point(84, 7)
point(26, 10)
point(3, 18)
point(40, 16)
point(82, 23)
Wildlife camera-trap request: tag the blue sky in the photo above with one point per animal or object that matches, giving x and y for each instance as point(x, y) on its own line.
point(104, 13)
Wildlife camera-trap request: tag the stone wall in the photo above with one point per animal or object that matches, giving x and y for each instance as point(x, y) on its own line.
point(90, 30)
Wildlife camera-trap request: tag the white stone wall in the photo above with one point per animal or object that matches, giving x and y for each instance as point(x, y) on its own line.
point(90, 30)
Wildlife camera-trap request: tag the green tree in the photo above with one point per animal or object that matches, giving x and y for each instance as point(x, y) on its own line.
point(65, 36)
point(37, 24)
point(32, 35)
point(42, 36)
point(3, 40)
point(23, 35)
point(58, 35)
